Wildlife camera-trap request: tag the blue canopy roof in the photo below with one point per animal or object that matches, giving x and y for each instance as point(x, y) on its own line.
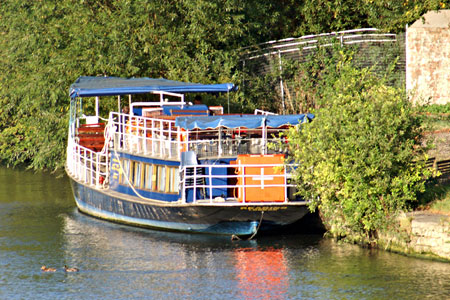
point(91, 86)
point(236, 121)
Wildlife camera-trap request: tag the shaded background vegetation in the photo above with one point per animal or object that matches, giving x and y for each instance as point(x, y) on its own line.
point(45, 45)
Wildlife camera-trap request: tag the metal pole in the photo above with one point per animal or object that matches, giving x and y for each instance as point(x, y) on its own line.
point(210, 182)
point(97, 99)
point(228, 96)
point(281, 82)
point(129, 105)
point(219, 142)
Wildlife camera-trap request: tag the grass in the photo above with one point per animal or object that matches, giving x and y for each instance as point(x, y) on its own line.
point(435, 117)
point(436, 198)
point(437, 195)
point(433, 124)
point(441, 206)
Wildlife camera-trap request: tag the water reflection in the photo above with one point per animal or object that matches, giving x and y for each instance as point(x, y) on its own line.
point(150, 262)
point(39, 225)
point(262, 274)
point(273, 267)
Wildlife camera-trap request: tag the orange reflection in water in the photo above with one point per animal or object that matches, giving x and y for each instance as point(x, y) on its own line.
point(262, 274)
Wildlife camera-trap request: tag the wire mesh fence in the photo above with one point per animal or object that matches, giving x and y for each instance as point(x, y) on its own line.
point(371, 48)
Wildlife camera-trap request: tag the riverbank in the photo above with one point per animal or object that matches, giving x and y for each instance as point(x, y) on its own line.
point(422, 234)
point(426, 232)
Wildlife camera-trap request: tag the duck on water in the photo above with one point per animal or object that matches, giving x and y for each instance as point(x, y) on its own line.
point(171, 165)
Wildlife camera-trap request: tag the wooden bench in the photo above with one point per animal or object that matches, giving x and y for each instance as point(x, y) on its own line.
point(91, 136)
point(443, 166)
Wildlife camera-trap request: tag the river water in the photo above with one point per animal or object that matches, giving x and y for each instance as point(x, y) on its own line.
point(40, 225)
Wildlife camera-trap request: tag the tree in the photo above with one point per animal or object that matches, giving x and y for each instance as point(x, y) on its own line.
point(45, 45)
point(361, 158)
point(386, 15)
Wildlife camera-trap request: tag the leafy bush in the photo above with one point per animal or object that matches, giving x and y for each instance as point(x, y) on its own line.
point(360, 157)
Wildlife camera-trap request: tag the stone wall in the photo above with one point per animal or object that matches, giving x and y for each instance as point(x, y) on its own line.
point(420, 233)
point(430, 234)
point(428, 58)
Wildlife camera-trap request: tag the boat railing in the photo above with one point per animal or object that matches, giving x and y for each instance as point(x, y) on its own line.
point(87, 166)
point(234, 146)
point(263, 112)
point(160, 138)
point(147, 136)
point(243, 183)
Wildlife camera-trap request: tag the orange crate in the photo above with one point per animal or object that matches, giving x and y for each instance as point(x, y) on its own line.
point(262, 176)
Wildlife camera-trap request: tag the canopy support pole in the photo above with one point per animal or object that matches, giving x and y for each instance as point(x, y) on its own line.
point(281, 82)
point(97, 99)
point(220, 142)
point(228, 96)
point(129, 105)
point(264, 136)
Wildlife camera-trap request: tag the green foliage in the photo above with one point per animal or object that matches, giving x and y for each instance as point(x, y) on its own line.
point(436, 197)
point(45, 45)
point(387, 15)
point(360, 157)
point(306, 79)
point(311, 78)
point(303, 80)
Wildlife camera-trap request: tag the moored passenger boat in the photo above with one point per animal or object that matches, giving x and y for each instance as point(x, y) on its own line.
point(171, 165)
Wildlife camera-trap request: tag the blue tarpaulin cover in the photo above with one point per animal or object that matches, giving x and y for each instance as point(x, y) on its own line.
point(236, 121)
point(91, 86)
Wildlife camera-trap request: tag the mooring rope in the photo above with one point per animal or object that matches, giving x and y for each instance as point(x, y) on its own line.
point(121, 169)
point(235, 237)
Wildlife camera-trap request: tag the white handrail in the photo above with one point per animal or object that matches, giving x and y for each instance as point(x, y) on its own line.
point(161, 138)
point(312, 41)
point(87, 166)
point(203, 182)
point(363, 35)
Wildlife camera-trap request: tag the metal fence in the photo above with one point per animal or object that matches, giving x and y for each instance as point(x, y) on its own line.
point(372, 49)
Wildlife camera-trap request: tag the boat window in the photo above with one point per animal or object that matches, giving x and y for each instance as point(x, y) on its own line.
point(137, 174)
point(173, 182)
point(148, 177)
point(154, 177)
point(126, 170)
point(169, 179)
point(161, 178)
point(176, 181)
point(132, 172)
